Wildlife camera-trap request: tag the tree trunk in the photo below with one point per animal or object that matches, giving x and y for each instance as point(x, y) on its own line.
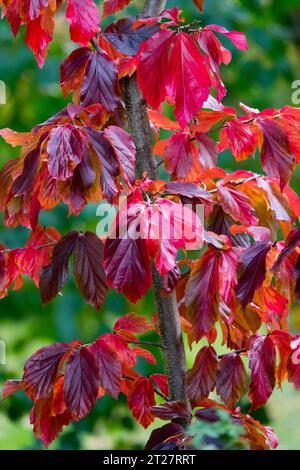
point(167, 309)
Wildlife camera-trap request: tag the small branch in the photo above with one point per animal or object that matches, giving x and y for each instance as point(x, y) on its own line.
point(238, 351)
point(146, 343)
point(237, 183)
point(95, 45)
point(39, 247)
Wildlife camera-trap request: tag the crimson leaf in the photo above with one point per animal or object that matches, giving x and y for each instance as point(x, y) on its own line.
point(81, 383)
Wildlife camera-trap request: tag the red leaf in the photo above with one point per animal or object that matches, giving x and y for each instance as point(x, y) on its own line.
point(188, 80)
point(46, 424)
point(207, 153)
point(84, 19)
point(81, 383)
point(236, 204)
point(282, 340)
point(161, 381)
point(231, 379)
point(276, 156)
point(240, 138)
point(41, 369)
point(119, 345)
point(10, 387)
point(168, 226)
point(171, 410)
point(202, 293)
point(179, 154)
point(141, 352)
point(39, 33)
point(238, 38)
point(111, 6)
point(133, 323)
point(54, 276)
point(125, 151)
point(201, 379)
point(30, 9)
point(262, 361)
point(65, 149)
point(88, 268)
point(140, 401)
point(110, 367)
point(252, 270)
point(152, 67)
point(100, 83)
point(199, 4)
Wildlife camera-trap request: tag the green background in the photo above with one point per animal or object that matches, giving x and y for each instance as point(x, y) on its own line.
point(261, 77)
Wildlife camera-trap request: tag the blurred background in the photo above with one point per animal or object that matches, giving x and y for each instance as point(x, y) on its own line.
point(261, 78)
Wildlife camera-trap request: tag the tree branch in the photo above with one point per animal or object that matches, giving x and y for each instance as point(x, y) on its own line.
point(167, 309)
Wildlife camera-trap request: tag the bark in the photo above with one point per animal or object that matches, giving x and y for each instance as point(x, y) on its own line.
point(167, 309)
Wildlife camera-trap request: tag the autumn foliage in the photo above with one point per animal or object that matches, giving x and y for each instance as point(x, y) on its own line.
point(244, 274)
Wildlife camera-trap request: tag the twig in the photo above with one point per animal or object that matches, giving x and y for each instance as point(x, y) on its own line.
point(146, 343)
point(238, 351)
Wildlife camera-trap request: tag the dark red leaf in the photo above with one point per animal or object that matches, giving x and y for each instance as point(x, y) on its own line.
point(140, 401)
point(41, 370)
point(126, 260)
point(81, 384)
point(291, 243)
point(88, 268)
point(100, 84)
point(252, 270)
point(202, 293)
point(170, 280)
point(201, 379)
point(262, 361)
point(124, 148)
point(108, 160)
point(72, 69)
point(54, 276)
point(231, 379)
point(23, 183)
point(179, 155)
point(110, 367)
point(127, 39)
point(65, 149)
point(160, 435)
point(171, 410)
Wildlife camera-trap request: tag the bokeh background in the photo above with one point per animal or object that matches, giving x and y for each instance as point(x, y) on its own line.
point(261, 77)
